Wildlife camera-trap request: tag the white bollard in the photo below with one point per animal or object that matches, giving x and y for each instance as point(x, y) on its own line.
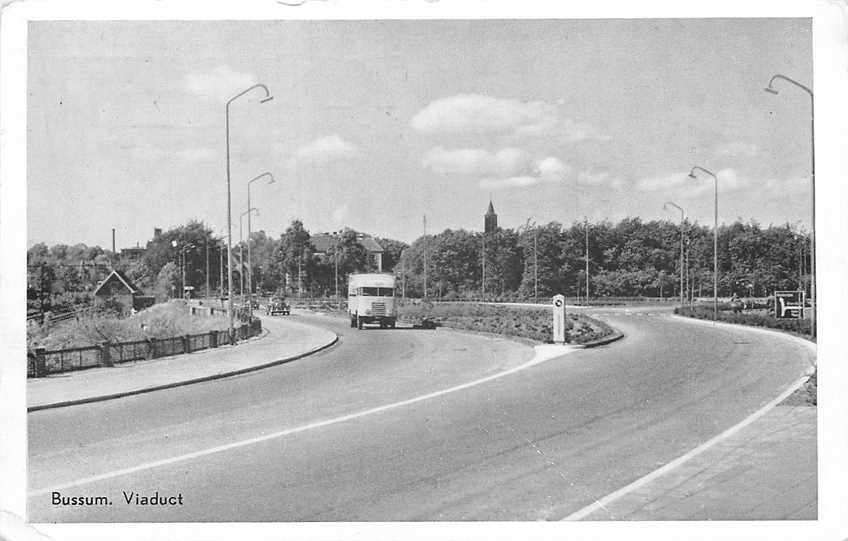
point(558, 303)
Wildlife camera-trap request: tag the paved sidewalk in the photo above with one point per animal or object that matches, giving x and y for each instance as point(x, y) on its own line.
point(282, 339)
point(766, 471)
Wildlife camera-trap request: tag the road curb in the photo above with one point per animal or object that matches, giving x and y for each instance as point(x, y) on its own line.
point(182, 383)
point(616, 335)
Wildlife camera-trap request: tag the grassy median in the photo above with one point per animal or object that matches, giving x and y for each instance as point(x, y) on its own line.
point(525, 322)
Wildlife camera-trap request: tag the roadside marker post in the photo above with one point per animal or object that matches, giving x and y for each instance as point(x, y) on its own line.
point(558, 303)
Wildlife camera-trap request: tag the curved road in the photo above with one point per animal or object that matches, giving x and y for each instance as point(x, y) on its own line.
point(539, 443)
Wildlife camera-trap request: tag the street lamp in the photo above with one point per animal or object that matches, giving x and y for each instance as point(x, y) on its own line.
point(267, 98)
point(665, 207)
point(241, 247)
point(770, 89)
point(249, 258)
point(715, 238)
point(182, 256)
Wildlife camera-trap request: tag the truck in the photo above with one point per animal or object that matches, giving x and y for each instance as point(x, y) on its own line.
point(371, 299)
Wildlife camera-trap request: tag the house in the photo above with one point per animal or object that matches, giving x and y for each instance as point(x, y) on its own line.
point(117, 288)
point(324, 242)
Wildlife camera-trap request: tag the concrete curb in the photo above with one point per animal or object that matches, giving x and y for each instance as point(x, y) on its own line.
point(616, 335)
point(184, 382)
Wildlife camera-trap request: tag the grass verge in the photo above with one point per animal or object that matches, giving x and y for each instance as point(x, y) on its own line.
point(533, 323)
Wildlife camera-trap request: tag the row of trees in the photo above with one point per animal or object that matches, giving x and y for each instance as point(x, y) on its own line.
point(630, 258)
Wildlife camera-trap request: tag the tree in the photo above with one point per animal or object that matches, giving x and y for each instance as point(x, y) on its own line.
point(167, 281)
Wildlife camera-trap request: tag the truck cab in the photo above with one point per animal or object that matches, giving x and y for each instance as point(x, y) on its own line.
point(371, 299)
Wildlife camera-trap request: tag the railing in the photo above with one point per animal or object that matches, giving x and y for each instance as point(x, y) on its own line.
point(42, 362)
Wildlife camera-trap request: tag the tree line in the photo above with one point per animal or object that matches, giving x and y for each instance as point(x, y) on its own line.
point(629, 258)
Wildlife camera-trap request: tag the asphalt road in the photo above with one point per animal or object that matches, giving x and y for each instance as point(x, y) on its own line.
point(538, 443)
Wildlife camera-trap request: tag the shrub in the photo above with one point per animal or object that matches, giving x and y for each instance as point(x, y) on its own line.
point(159, 321)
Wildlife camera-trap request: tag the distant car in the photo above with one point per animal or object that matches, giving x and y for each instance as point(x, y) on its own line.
point(277, 306)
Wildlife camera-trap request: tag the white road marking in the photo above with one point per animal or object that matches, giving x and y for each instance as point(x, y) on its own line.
point(543, 354)
point(642, 481)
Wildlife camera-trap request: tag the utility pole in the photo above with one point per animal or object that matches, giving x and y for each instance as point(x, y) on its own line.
point(221, 269)
point(425, 256)
point(206, 244)
point(586, 228)
point(483, 283)
point(535, 265)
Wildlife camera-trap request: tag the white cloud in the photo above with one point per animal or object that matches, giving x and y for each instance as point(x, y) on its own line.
point(326, 149)
point(729, 181)
point(477, 162)
point(594, 177)
point(737, 148)
point(509, 167)
point(220, 83)
point(475, 113)
point(510, 182)
point(666, 182)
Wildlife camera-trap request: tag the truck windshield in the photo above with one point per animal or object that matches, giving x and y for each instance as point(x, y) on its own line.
point(378, 291)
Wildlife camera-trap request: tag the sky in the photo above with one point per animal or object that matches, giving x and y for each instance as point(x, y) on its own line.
point(375, 124)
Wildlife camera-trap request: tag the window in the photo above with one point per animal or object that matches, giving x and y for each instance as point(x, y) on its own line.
point(378, 291)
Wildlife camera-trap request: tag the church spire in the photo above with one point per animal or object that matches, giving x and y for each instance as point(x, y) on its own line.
point(490, 220)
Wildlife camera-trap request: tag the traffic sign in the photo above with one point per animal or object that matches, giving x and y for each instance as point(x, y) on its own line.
point(789, 304)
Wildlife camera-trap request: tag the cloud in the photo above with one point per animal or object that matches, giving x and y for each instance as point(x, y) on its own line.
point(729, 181)
point(475, 113)
point(477, 162)
point(326, 149)
point(666, 182)
point(509, 167)
point(737, 148)
point(593, 177)
point(221, 83)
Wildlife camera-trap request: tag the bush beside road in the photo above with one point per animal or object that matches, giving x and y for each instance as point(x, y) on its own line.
point(163, 320)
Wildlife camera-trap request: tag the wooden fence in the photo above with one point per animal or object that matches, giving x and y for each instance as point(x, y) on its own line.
point(44, 362)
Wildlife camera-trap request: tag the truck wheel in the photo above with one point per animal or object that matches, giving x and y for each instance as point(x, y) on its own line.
point(392, 324)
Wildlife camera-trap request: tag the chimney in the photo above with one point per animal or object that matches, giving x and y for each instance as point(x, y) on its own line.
point(157, 232)
point(113, 240)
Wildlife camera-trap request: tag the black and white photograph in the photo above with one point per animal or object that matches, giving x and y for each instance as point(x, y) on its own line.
point(443, 269)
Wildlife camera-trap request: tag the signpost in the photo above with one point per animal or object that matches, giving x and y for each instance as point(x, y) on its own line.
point(789, 304)
point(559, 319)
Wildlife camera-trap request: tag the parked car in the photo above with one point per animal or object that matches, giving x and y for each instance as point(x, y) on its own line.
point(277, 306)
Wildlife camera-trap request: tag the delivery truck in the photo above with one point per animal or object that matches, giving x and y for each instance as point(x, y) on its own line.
point(371, 299)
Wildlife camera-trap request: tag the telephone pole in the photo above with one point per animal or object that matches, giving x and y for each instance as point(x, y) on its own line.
point(425, 256)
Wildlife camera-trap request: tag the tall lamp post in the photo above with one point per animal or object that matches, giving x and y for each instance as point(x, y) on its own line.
point(715, 237)
point(241, 247)
point(682, 217)
point(182, 257)
point(267, 97)
point(249, 258)
point(770, 89)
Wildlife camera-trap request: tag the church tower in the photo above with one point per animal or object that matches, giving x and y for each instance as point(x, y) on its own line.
point(490, 220)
